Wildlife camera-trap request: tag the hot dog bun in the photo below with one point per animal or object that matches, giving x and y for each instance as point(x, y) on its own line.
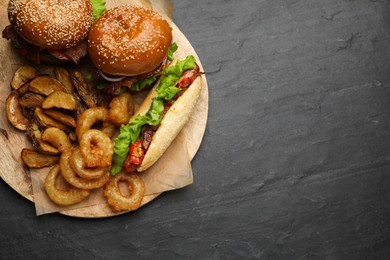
point(171, 124)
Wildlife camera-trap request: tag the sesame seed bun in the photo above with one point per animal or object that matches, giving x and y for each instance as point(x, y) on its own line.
point(129, 41)
point(52, 24)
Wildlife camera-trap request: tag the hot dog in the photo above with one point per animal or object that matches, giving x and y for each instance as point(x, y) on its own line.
point(159, 119)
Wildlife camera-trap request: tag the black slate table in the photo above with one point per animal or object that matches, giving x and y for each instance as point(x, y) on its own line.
point(295, 161)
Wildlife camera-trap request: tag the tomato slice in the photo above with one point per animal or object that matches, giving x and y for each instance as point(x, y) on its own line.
point(137, 153)
point(135, 157)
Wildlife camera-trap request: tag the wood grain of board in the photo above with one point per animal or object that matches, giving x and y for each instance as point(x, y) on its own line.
point(12, 141)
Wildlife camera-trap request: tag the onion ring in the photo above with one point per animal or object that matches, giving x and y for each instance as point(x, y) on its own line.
point(78, 165)
point(57, 137)
point(109, 77)
point(90, 117)
point(62, 197)
point(121, 109)
point(71, 177)
point(108, 128)
point(96, 148)
point(117, 200)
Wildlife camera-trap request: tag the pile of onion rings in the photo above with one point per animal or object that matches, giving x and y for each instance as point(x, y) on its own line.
point(86, 166)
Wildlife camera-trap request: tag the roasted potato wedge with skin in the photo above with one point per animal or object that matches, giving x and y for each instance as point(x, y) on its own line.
point(61, 117)
point(57, 137)
point(63, 75)
point(28, 113)
point(45, 85)
point(15, 113)
point(23, 75)
point(31, 100)
point(34, 159)
point(81, 106)
point(23, 89)
point(86, 92)
point(59, 99)
point(47, 121)
point(35, 134)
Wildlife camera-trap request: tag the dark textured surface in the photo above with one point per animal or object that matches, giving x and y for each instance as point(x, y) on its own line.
point(295, 162)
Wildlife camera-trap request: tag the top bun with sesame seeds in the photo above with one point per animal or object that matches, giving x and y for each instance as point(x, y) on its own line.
point(129, 41)
point(51, 24)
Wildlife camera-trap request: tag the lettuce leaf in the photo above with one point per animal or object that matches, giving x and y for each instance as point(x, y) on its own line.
point(172, 50)
point(98, 7)
point(165, 91)
point(141, 84)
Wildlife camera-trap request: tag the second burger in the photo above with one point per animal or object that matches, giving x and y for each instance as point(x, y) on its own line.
point(128, 44)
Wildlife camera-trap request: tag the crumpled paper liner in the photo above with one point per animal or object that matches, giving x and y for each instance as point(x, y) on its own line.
point(172, 171)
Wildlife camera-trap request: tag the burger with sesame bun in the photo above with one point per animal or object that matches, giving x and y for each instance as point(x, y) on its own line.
point(51, 31)
point(132, 48)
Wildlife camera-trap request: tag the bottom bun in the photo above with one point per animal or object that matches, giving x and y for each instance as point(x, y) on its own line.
point(172, 123)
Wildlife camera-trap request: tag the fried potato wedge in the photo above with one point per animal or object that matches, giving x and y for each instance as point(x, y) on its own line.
point(81, 106)
point(34, 159)
point(63, 75)
point(45, 85)
point(48, 121)
point(59, 99)
point(57, 138)
point(35, 135)
point(31, 100)
point(22, 75)
point(23, 89)
point(87, 93)
point(61, 117)
point(15, 112)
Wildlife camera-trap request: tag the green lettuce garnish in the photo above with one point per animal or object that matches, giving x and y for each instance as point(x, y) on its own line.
point(98, 7)
point(141, 84)
point(166, 90)
point(172, 50)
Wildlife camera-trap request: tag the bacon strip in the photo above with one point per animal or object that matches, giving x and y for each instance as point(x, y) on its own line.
point(73, 53)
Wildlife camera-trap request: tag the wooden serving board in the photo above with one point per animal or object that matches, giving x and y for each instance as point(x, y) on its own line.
point(12, 141)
